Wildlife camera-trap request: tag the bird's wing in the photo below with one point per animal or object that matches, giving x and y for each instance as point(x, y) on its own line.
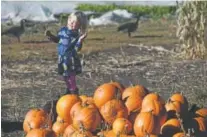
point(10, 31)
point(123, 27)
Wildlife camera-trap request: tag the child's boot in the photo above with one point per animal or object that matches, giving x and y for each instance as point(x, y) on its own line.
point(76, 91)
point(67, 91)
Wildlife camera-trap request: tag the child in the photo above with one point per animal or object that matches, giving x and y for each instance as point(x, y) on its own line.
point(69, 41)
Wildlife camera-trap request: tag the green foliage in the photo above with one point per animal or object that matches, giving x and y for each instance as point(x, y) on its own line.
point(152, 11)
point(137, 9)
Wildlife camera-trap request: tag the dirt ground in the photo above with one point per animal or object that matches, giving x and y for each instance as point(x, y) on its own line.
point(32, 82)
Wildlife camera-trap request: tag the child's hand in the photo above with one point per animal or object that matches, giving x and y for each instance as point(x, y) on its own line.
point(47, 33)
point(82, 37)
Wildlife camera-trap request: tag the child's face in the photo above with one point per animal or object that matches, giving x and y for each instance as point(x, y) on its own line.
point(73, 24)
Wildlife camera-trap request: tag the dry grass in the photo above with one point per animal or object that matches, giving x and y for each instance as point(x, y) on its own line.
point(35, 45)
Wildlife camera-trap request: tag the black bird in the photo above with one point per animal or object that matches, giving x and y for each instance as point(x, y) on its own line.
point(129, 27)
point(16, 31)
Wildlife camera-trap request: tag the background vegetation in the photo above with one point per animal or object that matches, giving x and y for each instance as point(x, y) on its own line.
point(150, 11)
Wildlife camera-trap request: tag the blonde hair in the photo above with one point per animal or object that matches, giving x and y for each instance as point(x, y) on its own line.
point(82, 19)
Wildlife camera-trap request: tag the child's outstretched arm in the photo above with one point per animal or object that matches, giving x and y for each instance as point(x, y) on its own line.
point(78, 45)
point(51, 36)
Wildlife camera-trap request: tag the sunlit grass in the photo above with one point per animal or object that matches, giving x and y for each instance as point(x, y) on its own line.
point(37, 46)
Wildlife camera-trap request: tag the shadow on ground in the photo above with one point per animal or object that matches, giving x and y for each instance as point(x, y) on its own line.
point(8, 126)
point(37, 42)
point(147, 36)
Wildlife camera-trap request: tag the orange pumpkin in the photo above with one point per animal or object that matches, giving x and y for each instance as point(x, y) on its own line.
point(59, 119)
point(105, 93)
point(180, 134)
point(69, 131)
point(135, 90)
point(202, 123)
point(145, 123)
point(64, 106)
point(113, 109)
point(36, 118)
point(180, 98)
point(85, 98)
point(174, 108)
point(87, 115)
point(59, 127)
point(76, 108)
point(106, 133)
point(171, 127)
point(122, 126)
point(110, 133)
point(153, 102)
point(202, 112)
point(78, 133)
point(118, 85)
point(41, 133)
point(151, 135)
point(133, 97)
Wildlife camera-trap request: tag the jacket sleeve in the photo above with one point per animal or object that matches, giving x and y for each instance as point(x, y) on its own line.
point(78, 46)
point(59, 35)
point(54, 38)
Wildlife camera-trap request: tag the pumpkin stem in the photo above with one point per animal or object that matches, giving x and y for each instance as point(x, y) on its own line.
point(118, 134)
point(125, 129)
point(182, 93)
point(117, 94)
point(146, 134)
point(81, 127)
point(181, 122)
point(151, 111)
point(30, 128)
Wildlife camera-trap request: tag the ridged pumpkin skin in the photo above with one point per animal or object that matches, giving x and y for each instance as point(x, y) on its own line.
point(173, 108)
point(70, 129)
point(106, 133)
point(145, 123)
point(59, 127)
point(133, 90)
point(78, 133)
point(85, 98)
point(77, 107)
point(202, 112)
point(153, 102)
point(151, 135)
point(118, 85)
point(122, 126)
point(133, 97)
point(105, 93)
point(180, 98)
point(113, 109)
point(41, 133)
point(180, 134)
point(88, 117)
point(202, 123)
point(36, 118)
point(110, 133)
point(64, 106)
point(171, 127)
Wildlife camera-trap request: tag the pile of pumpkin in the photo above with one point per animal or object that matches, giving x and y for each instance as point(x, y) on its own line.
point(116, 111)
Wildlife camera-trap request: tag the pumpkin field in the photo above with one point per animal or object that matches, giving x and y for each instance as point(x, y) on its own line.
point(129, 86)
